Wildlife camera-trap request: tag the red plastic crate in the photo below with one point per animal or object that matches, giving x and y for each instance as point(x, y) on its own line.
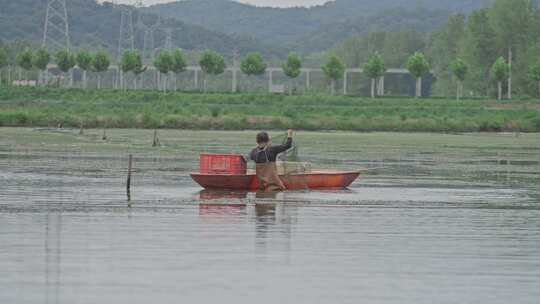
point(222, 164)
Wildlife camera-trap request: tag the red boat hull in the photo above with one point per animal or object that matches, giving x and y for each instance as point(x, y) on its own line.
point(249, 182)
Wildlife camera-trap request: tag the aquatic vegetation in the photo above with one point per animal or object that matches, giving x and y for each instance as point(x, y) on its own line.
point(39, 107)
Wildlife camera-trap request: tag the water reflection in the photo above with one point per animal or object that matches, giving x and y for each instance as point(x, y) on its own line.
point(209, 195)
point(269, 212)
point(53, 256)
point(227, 238)
point(274, 230)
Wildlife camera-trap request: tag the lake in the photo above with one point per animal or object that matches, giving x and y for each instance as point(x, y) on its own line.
point(437, 218)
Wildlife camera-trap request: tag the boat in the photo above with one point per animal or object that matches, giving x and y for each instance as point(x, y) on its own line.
point(301, 181)
point(229, 172)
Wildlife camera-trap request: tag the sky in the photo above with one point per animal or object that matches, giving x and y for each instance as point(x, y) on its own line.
point(274, 3)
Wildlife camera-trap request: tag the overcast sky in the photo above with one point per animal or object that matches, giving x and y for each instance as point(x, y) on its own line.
point(280, 3)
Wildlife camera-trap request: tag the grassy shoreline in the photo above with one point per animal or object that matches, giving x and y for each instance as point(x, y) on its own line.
point(47, 107)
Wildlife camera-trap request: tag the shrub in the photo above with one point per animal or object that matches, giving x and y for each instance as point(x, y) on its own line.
point(215, 111)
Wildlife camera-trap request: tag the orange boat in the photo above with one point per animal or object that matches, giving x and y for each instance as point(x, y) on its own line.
point(229, 171)
point(249, 181)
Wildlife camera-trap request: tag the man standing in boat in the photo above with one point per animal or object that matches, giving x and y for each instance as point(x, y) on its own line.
point(264, 156)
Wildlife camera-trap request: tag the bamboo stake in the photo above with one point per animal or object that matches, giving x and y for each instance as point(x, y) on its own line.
point(510, 73)
point(128, 183)
point(156, 140)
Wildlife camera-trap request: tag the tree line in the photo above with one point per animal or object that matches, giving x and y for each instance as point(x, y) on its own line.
point(493, 51)
point(499, 44)
point(170, 63)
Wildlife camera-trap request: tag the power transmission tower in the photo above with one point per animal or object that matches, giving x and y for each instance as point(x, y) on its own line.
point(126, 39)
point(148, 50)
point(168, 38)
point(148, 43)
point(169, 35)
point(56, 30)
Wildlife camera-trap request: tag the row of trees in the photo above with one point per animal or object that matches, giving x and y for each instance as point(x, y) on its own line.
point(419, 66)
point(65, 60)
point(173, 62)
point(167, 62)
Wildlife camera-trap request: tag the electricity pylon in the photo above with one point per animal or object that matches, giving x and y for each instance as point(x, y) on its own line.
point(126, 39)
point(168, 38)
point(148, 50)
point(148, 43)
point(169, 35)
point(56, 29)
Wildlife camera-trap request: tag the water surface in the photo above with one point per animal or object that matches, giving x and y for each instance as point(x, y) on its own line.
point(444, 219)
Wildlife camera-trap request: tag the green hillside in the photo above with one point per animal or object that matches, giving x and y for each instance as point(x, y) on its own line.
point(392, 20)
point(97, 25)
point(287, 26)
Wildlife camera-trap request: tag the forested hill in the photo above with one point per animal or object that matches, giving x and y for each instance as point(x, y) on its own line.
point(97, 25)
point(284, 26)
point(390, 20)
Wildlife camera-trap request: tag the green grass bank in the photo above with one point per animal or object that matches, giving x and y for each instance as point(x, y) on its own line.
point(47, 107)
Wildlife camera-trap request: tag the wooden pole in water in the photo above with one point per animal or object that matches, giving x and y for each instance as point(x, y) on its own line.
point(156, 142)
point(128, 183)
